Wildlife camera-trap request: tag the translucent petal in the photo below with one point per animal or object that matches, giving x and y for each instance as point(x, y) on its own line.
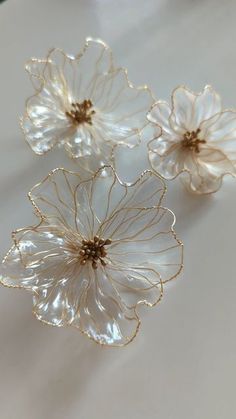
point(207, 171)
point(207, 104)
point(62, 80)
point(72, 284)
point(145, 240)
point(58, 304)
point(220, 132)
point(78, 73)
point(160, 114)
point(163, 144)
point(44, 137)
point(13, 272)
point(122, 107)
point(99, 198)
point(55, 197)
point(102, 315)
point(171, 164)
point(183, 102)
point(42, 257)
point(82, 142)
point(135, 285)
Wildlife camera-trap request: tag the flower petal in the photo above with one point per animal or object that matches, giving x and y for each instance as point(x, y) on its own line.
point(54, 198)
point(59, 81)
point(14, 274)
point(163, 144)
point(39, 258)
point(207, 104)
point(77, 73)
point(144, 239)
point(102, 315)
point(209, 168)
point(171, 163)
point(121, 107)
point(81, 142)
point(159, 114)
point(183, 102)
point(220, 132)
point(98, 298)
point(43, 138)
point(99, 198)
point(135, 285)
point(58, 304)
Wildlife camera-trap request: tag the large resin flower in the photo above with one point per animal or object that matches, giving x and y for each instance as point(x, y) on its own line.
point(101, 248)
point(196, 137)
point(83, 103)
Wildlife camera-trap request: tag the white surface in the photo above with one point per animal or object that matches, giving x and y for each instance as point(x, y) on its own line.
point(182, 364)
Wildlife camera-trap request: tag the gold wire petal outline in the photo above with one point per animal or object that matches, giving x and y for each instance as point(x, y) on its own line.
point(162, 157)
point(43, 217)
point(77, 57)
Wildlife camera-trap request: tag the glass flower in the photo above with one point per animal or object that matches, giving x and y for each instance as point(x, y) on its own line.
point(195, 136)
point(83, 103)
point(100, 249)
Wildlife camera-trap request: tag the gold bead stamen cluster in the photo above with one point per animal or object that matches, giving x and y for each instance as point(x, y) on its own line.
point(81, 113)
point(191, 140)
point(93, 251)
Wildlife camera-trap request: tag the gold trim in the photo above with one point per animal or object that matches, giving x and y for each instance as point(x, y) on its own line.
point(42, 217)
point(111, 70)
point(162, 156)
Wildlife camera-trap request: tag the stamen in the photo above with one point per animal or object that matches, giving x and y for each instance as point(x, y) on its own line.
point(94, 251)
point(191, 140)
point(81, 113)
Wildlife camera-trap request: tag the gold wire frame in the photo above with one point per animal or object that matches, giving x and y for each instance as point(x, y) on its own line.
point(43, 217)
point(175, 146)
point(39, 82)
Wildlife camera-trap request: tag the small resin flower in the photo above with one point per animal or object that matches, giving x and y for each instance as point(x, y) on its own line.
point(196, 136)
point(101, 248)
point(83, 103)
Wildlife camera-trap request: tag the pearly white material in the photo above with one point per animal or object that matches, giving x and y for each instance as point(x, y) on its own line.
point(193, 135)
point(84, 104)
point(182, 363)
point(100, 249)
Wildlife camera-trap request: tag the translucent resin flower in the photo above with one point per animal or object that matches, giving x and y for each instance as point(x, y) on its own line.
point(101, 248)
point(196, 136)
point(83, 103)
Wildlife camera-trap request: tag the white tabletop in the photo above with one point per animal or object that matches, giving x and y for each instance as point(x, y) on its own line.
point(182, 363)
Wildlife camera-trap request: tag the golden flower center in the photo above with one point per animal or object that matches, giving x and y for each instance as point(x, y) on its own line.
point(94, 251)
point(81, 113)
point(191, 140)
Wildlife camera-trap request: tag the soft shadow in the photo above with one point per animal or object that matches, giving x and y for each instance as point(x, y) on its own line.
point(54, 365)
point(188, 207)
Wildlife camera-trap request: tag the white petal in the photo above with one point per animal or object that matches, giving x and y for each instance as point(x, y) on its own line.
point(160, 114)
point(146, 241)
point(39, 259)
point(183, 102)
point(55, 197)
point(42, 137)
point(164, 144)
point(102, 315)
point(207, 171)
point(74, 75)
point(135, 285)
point(121, 106)
point(170, 164)
point(82, 142)
point(14, 274)
point(207, 104)
point(58, 304)
point(220, 132)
